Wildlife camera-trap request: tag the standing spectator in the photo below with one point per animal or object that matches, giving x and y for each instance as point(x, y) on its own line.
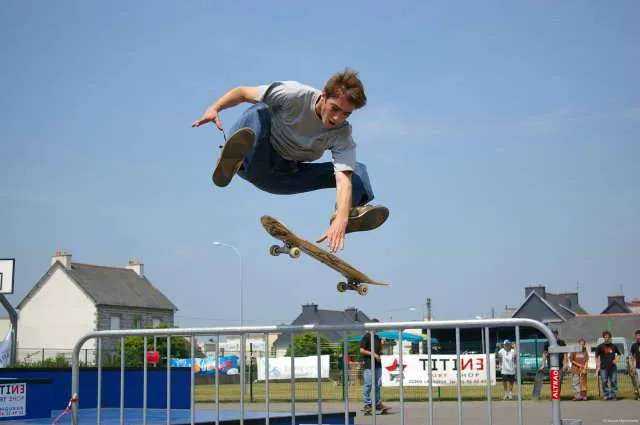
point(579, 363)
point(634, 364)
point(607, 355)
point(372, 376)
point(508, 359)
point(564, 358)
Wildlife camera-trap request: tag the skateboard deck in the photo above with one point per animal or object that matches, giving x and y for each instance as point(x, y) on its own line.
point(537, 385)
point(231, 156)
point(293, 245)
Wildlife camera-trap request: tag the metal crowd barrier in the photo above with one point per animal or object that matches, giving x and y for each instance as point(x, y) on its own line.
point(346, 330)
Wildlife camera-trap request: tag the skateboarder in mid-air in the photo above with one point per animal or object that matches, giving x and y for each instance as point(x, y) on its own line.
point(290, 124)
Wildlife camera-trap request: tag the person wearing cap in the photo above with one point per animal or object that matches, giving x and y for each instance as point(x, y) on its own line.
point(508, 359)
point(634, 364)
point(579, 361)
point(564, 358)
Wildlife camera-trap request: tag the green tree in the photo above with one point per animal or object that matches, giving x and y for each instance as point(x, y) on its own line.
point(60, 361)
point(134, 349)
point(305, 345)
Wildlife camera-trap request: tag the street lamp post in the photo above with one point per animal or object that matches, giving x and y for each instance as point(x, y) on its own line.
point(481, 333)
point(237, 251)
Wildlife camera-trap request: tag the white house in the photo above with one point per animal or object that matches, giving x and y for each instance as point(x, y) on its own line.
point(73, 299)
point(5, 326)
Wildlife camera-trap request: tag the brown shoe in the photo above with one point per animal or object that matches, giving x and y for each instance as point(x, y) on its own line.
point(232, 155)
point(365, 218)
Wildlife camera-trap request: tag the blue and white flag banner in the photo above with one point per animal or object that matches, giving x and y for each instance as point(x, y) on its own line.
point(208, 365)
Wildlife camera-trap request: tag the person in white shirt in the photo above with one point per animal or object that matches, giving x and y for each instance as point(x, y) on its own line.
point(508, 359)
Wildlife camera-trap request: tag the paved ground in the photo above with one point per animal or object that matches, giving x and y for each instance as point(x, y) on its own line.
point(446, 412)
point(593, 412)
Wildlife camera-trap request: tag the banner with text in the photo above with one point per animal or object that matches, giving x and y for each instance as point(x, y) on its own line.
point(444, 370)
point(306, 367)
point(13, 400)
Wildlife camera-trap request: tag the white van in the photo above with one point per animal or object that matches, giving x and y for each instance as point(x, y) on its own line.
point(623, 347)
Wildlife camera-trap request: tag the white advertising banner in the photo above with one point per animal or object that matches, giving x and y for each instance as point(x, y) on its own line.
point(306, 367)
point(13, 400)
point(444, 371)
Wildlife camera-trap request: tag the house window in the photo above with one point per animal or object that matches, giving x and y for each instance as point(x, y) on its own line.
point(137, 323)
point(115, 323)
point(156, 323)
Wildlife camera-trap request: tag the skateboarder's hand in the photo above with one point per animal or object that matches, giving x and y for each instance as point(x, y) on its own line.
point(334, 236)
point(211, 115)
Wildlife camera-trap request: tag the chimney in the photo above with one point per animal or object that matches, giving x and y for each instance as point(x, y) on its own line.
point(136, 266)
point(352, 313)
point(571, 298)
point(538, 289)
point(613, 298)
point(63, 258)
point(310, 308)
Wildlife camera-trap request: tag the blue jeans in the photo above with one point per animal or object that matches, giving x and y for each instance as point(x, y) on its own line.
point(268, 171)
point(610, 375)
point(368, 381)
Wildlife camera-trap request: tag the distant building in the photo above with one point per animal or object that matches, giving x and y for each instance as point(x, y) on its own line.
point(563, 311)
point(73, 299)
point(548, 308)
point(312, 315)
point(617, 304)
point(591, 326)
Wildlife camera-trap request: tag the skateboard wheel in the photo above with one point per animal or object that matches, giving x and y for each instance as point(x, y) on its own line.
point(274, 250)
point(363, 289)
point(294, 252)
point(342, 287)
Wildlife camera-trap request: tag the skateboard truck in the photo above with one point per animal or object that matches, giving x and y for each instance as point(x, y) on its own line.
point(352, 285)
point(291, 251)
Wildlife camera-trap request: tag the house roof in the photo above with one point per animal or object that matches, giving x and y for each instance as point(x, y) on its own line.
point(564, 305)
point(560, 305)
point(533, 298)
point(591, 326)
point(312, 315)
point(617, 307)
point(109, 286)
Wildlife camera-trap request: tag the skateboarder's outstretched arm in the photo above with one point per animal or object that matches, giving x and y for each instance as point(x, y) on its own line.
point(336, 231)
point(230, 99)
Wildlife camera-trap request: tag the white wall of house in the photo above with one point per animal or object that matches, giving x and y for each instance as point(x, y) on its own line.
point(57, 315)
point(5, 325)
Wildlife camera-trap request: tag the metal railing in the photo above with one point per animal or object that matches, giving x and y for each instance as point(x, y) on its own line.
point(346, 330)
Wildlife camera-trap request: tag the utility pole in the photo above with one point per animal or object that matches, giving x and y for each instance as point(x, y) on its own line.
point(428, 302)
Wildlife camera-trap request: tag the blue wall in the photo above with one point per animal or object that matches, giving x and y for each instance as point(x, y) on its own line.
point(156, 386)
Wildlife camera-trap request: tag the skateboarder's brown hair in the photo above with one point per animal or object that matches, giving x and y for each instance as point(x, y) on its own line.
point(347, 83)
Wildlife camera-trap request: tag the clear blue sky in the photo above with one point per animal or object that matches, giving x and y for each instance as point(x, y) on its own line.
point(503, 136)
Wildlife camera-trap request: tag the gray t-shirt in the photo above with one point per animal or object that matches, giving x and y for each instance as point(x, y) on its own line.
point(297, 133)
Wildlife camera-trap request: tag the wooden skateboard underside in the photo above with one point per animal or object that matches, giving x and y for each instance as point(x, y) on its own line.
point(355, 278)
